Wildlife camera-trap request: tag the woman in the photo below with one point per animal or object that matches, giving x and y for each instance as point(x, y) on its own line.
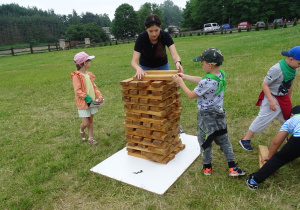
point(149, 50)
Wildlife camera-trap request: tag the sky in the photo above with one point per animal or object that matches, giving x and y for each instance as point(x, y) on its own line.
point(65, 7)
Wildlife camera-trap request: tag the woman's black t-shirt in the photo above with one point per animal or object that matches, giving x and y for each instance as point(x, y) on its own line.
point(153, 55)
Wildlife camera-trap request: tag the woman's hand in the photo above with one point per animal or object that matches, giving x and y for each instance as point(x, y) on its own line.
point(179, 67)
point(140, 73)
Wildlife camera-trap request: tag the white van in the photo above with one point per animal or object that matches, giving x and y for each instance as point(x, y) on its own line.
point(210, 27)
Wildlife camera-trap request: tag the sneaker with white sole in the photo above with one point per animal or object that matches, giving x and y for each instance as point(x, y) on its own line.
point(245, 144)
point(235, 171)
point(251, 184)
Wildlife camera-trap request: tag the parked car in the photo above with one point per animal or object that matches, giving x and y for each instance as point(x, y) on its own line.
point(279, 22)
point(261, 24)
point(244, 25)
point(210, 27)
point(227, 26)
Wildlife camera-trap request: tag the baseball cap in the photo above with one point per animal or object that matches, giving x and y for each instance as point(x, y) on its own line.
point(210, 55)
point(81, 57)
point(294, 53)
point(295, 110)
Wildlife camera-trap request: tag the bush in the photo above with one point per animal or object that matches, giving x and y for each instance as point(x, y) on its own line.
point(295, 22)
point(230, 32)
point(256, 27)
point(284, 26)
point(240, 30)
point(221, 31)
point(198, 34)
point(183, 35)
point(248, 29)
point(275, 25)
point(267, 25)
point(205, 33)
point(191, 34)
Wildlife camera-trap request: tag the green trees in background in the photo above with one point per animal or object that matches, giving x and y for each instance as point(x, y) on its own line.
point(125, 23)
point(196, 12)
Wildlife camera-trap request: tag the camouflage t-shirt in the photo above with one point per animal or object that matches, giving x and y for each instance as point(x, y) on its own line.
point(207, 96)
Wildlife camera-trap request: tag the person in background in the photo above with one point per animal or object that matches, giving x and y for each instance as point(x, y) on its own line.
point(275, 97)
point(289, 152)
point(150, 49)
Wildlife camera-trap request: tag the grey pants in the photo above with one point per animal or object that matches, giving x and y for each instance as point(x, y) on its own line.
point(209, 121)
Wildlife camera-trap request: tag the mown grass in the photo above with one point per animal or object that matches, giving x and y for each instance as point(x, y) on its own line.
point(44, 165)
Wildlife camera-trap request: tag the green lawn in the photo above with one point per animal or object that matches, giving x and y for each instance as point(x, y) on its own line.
point(44, 165)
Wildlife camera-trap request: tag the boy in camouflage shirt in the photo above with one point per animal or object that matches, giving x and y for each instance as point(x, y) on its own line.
point(211, 124)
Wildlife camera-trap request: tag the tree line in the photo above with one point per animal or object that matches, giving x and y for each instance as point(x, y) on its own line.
point(32, 25)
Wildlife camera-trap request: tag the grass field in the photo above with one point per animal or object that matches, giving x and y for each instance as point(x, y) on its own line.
point(44, 165)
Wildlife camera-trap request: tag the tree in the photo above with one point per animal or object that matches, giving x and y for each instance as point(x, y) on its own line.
point(90, 30)
point(145, 10)
point(125, 23)
point(172, 14)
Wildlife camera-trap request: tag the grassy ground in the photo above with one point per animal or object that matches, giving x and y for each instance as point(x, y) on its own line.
point(43, 163)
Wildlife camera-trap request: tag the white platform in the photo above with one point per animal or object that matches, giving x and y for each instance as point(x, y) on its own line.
point(149, 175)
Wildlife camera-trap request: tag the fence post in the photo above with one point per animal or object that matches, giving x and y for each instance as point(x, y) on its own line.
point(87, 42)
point(12, 51)
point(31, 50)
point(62, 44)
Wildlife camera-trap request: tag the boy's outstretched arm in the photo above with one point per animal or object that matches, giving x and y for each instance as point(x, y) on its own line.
point(190, 94)
point(275, 144)
point(193, 79)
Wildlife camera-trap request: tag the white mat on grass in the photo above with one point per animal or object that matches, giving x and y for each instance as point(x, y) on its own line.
point(149, 175)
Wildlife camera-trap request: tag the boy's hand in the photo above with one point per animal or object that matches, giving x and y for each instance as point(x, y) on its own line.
point(178, 79)
point(264, 158)
point(273, 104)
point(99, 100)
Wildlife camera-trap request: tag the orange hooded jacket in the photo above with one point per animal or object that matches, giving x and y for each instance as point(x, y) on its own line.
point(80, 88)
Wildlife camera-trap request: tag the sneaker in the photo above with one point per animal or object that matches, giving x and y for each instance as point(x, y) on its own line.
point(82, 135)
point(245, 144)
point(251, 184)
point(207, 171)
point(235, 171)
point(92, 141)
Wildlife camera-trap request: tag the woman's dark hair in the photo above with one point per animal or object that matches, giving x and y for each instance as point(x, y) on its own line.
point(152, 20)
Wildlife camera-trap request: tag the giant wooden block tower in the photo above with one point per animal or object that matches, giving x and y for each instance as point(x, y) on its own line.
point(152, 106)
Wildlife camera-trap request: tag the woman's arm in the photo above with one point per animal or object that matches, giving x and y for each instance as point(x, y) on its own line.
point(176, 58)
point(135, 65)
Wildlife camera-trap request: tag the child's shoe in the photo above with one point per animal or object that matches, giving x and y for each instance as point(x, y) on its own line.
point(207, 171)
point(92, 141)
point(82, 135)
point(251, 184)
point(235, 171)
point(245, 144)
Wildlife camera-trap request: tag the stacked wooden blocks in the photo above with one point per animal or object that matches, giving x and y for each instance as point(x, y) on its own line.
point(152, 106)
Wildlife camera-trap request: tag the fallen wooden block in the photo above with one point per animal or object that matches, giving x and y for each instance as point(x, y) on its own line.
point(262, 151)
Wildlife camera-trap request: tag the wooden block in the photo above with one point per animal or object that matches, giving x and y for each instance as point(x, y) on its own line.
point(147, 124)
point(125, 91)
point(156, 93)
point(144, 115)
point(144, 100)
point(134, 100)
point(126, 98)
point(137, 138)
point(133, 83)
point(143, 83)
point(157, 84)
point(143, 92)
point(126, 82)
point(133, 92)
point(147, 140)
point(144, 108)
point(262, 151)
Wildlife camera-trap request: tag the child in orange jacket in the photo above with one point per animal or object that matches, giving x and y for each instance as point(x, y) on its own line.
point(87, 95)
